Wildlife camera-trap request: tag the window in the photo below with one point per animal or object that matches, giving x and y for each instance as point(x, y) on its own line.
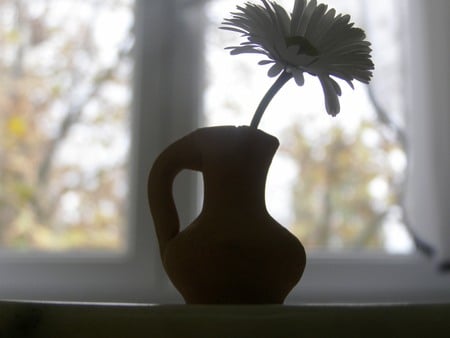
point(64, 147)
point(64, 124)
point(167, 81)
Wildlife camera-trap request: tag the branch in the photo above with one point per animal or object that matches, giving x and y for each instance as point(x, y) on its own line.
point(72, 117)
point(368, 232)
point(386, 119)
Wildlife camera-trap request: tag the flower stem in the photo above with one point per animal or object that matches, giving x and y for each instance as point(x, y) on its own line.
point(280, 82)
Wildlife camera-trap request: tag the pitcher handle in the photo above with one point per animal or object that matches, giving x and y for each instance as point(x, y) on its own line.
point(182, 154)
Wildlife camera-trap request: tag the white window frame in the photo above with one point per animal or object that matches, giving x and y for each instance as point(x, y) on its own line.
point(167, 83)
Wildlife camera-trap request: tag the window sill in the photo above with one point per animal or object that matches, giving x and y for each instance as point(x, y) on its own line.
point(369, 277)
point(328, 278)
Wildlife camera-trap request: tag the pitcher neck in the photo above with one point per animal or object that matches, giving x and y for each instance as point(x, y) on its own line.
point(245, 196)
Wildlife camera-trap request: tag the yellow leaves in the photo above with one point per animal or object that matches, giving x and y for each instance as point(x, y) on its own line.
point(17, 126)
point(13, 36)
point(26, 233)
point(24, 192)
point(346, 185)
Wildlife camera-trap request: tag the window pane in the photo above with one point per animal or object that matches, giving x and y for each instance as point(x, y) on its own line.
point(64, 98)
point(335, 182)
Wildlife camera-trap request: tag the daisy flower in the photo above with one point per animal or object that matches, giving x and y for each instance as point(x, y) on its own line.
point(312, 39)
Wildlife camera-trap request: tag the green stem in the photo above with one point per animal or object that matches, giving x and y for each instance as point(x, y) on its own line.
point(280, 82)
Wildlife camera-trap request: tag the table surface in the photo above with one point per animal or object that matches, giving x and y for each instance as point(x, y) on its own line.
point(84, 320)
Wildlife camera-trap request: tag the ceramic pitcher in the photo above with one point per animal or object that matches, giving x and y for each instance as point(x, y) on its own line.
point(234, 252)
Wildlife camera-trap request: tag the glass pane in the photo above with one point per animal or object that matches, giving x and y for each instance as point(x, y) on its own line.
point(335, 182)
point(64, 124)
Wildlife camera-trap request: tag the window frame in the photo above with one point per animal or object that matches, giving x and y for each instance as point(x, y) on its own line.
point(164, 38)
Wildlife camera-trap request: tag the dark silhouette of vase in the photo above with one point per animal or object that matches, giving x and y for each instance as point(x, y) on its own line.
point(234, 252)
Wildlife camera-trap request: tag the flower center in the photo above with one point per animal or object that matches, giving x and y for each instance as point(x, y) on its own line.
point(304, 46)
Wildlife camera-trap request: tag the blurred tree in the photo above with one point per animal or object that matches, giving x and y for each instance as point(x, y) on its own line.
point(347, 186)
point(63, 94)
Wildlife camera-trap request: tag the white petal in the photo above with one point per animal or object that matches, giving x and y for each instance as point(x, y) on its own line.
point(298, 77)
point(245, 49)
point(336, 86)
point(313, 25)
point(331, 98)
point(307, 14)
point(297, 13)
point(275, 70)
point(283, 18)
point(324, 26)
